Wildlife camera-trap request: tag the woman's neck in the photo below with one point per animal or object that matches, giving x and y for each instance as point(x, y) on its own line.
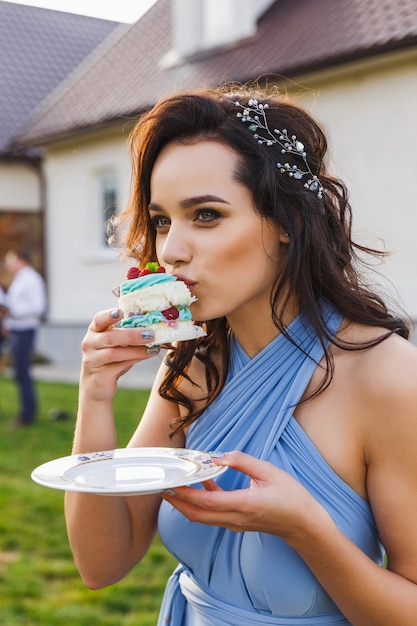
point(256, 331)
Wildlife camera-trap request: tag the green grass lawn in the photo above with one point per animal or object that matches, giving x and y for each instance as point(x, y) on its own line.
point(39, 585)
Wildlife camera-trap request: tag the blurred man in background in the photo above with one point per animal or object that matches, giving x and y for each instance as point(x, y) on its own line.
point(26, 303)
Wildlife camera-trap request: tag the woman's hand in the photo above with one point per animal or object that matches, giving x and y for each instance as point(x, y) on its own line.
point(274, 503)
point(109, 352)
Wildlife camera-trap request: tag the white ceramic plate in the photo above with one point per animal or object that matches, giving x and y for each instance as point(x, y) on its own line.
point(128, 471)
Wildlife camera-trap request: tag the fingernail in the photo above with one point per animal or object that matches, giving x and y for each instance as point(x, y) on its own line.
point(115, 314)
point(169, 492)
point(147, 334)
point(153, 349)
point(216, 454)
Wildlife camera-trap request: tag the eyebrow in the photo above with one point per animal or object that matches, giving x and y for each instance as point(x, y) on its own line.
point(194, 201)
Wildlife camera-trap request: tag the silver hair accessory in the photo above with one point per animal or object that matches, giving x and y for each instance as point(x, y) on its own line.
point(254, 114)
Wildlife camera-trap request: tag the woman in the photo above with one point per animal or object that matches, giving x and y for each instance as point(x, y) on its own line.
point(304, 380)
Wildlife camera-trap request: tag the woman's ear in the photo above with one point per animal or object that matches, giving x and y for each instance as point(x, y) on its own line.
point(283, 236)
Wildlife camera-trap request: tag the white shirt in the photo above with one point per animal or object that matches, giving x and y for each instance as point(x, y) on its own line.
point(26, 300)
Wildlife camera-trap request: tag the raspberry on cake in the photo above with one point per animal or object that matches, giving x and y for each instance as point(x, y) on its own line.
point(153, 299)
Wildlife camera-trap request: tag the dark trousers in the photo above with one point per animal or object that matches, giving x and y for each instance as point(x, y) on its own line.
point(21, 346)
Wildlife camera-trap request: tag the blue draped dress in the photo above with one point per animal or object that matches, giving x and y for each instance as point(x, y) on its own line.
point(249, 578)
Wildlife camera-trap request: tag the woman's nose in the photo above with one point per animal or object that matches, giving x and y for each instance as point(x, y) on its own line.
point(176, 248)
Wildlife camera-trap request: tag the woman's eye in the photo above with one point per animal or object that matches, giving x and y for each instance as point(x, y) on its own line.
point(160, 222)
point(207, 215)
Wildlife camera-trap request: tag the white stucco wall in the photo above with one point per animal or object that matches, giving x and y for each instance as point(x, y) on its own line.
point(20, 188)
point(81, 271)
point(370, 118)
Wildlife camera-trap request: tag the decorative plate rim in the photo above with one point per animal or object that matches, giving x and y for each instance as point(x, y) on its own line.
point(52, 473)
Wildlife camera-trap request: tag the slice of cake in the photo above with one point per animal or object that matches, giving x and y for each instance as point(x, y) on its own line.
point(153, 299)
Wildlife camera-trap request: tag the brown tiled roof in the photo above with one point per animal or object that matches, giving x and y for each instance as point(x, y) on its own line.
point(38, 49)
point(292, 37)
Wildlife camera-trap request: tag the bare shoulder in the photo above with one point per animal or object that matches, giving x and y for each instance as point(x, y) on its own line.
point(384, 380)
point(368, 413)
point(385, 372)
point(393, 383)
point(386, 385)
point(380, 387)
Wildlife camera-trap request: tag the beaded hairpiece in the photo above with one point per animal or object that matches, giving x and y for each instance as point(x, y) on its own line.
point(254, 114)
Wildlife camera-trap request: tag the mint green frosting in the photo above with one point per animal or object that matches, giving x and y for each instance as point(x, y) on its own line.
point(155, 317)
point(128, 286)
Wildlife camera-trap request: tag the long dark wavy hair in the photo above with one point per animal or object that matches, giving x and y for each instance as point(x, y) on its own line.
point(322, 260)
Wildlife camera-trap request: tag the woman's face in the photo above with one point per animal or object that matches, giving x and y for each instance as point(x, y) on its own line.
point(209, 234)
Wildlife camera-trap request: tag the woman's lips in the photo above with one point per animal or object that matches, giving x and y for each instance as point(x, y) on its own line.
point(190, 283)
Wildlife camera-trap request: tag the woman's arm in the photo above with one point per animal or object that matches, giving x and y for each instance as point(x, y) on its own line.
point(367, 594)
point(109, 535)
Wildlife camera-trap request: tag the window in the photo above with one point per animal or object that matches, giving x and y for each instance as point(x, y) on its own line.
point(107, 204)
